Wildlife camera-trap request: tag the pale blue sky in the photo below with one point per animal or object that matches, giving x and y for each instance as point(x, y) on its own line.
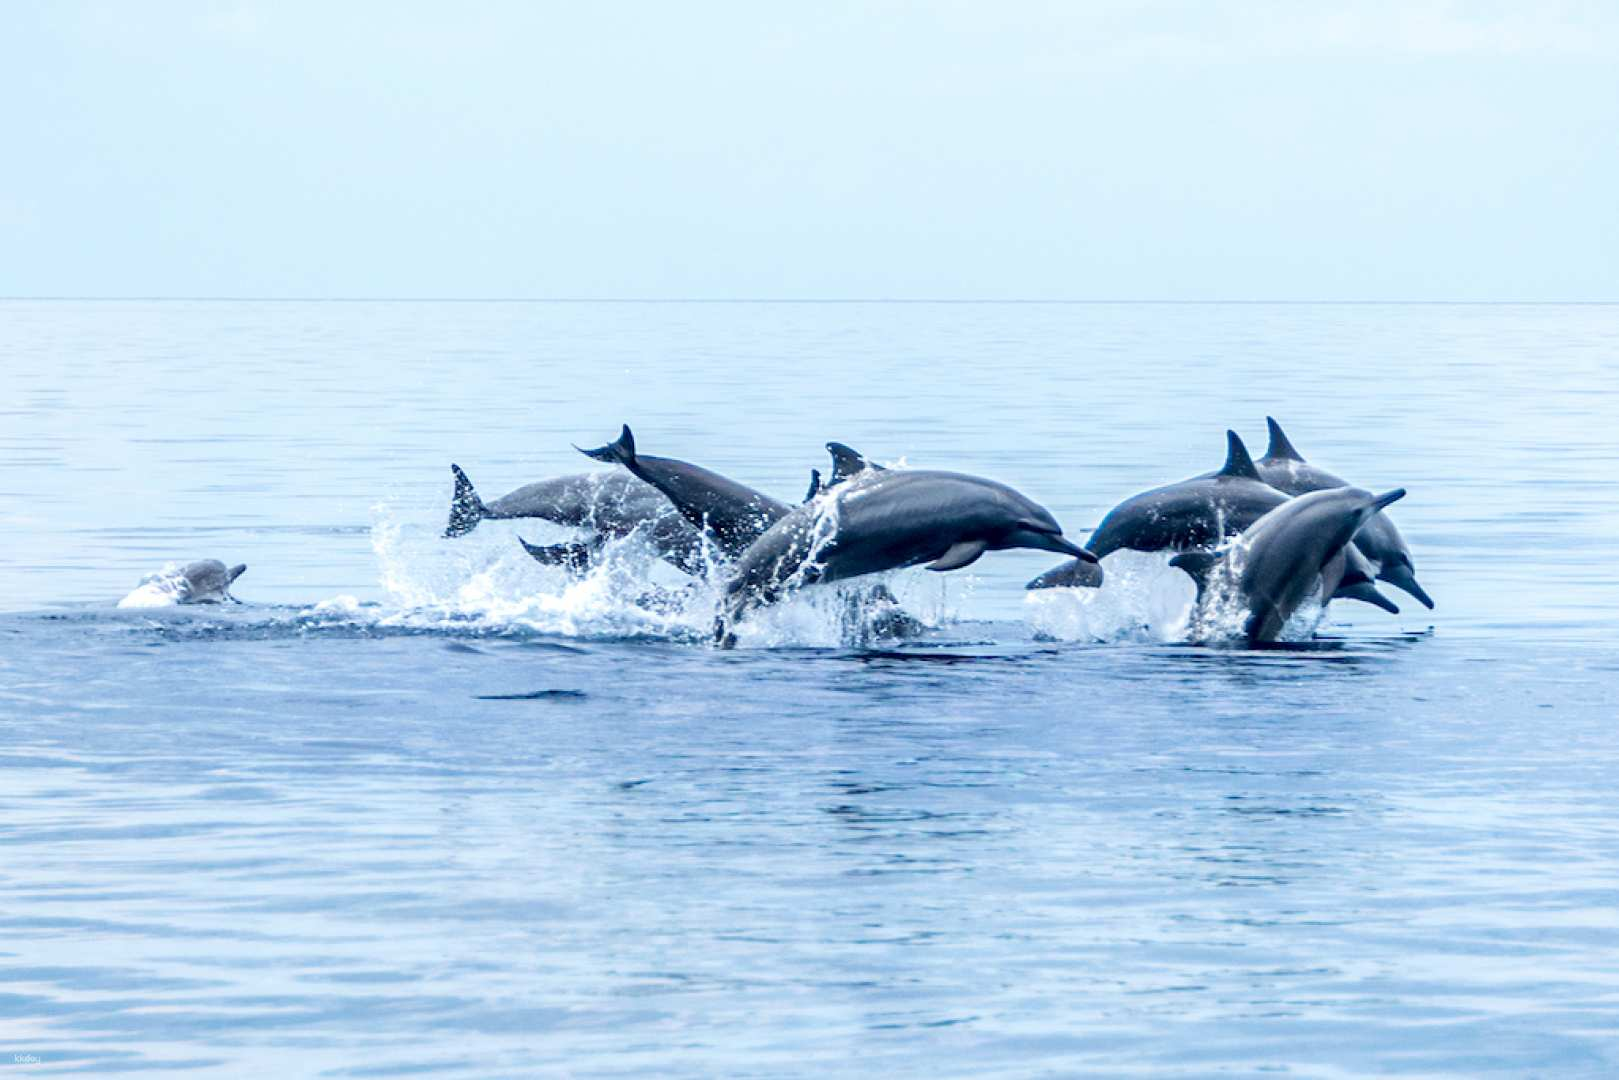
point(1283, 150)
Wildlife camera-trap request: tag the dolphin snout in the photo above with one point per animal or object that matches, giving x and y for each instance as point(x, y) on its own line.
point(1053, 540)
point(1068, 547)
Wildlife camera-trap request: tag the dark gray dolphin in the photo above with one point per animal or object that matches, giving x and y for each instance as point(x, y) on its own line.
point(733, 515)
point(884, 520)
point(207, 581)
point(1284, 558)
point(1285, 468)
point(1192, 514)
point(610, 503)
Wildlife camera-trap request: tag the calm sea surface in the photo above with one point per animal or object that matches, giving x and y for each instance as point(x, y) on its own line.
point(423, 807)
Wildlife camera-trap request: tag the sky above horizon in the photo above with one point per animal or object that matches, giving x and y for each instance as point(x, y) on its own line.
point(1036, 150)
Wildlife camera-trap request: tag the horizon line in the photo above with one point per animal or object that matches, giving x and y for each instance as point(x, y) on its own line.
point(57, 298)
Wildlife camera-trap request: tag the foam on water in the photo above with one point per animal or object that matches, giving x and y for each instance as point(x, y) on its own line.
point(487, 579)
point(1144, 599)
point(487, 582)
point(165, 588)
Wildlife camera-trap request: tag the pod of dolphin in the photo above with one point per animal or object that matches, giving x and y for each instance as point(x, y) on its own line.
point(1260, 539)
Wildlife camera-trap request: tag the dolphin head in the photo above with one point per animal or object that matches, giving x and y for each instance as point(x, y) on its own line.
point(209, 582)
point(1027, 524)
point(1398, 571)
point(1035, 528)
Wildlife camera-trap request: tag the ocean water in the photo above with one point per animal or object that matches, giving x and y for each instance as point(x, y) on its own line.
point(423, 807)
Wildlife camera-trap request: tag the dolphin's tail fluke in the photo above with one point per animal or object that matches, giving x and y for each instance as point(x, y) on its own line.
point(466, 509)
point(1073, 574)
point(573, 557)
point(621, 452)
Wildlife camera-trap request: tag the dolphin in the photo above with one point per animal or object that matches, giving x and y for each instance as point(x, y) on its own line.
point(884, 520)
point(1279, 562)
point(208, 581)
point(1191, 514)
point(611, 504)
point(733, 515)
point(1285, 468)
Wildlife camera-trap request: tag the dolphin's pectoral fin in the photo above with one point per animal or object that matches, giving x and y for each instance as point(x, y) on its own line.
point(1366, 593)
point(962, 553)
point(815, 485)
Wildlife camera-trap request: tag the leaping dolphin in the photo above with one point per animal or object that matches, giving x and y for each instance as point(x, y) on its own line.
point(1290, 554)
point(1185, 516)
point(1284, 467)
point(733, 515)
point(884, 520)
point(611, 504)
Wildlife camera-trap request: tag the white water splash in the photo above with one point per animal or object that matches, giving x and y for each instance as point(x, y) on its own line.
point(487, 581)
point(1144, 599)
point(166, 588)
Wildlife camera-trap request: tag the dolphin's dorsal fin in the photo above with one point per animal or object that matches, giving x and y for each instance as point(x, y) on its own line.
point(961, 553)
point(1197, 565)
point(1279, 447)
point(846, 462)
point(621, 451)
point(1237, 461)
point(815, 485)
point(235, 572)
